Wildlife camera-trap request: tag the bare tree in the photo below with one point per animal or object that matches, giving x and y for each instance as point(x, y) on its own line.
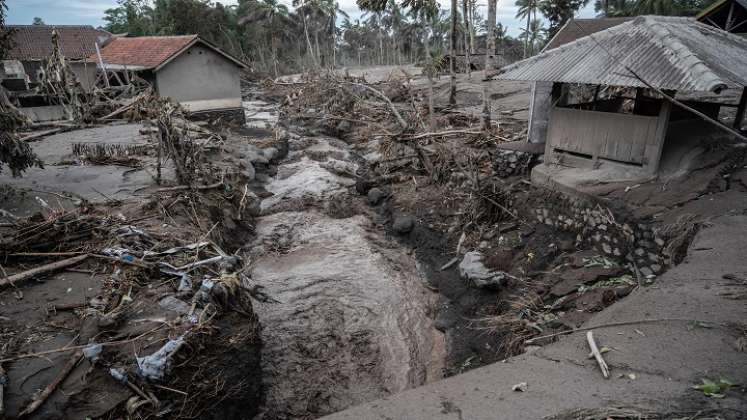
point(452, 48)
point(465, 12)
point(489, 62)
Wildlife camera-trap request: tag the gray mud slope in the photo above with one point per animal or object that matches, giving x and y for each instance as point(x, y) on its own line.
point(354, 318)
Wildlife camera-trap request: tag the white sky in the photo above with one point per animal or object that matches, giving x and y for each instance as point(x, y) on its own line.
point(91, 12)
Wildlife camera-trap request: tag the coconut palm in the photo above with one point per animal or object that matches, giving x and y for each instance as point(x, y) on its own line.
point(527, 9)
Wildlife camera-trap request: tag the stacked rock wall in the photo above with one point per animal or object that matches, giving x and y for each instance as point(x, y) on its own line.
point(637, 243)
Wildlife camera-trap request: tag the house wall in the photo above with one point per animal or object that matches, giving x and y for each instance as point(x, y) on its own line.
point(86, 74)
point(620, 137)
point(201, 79)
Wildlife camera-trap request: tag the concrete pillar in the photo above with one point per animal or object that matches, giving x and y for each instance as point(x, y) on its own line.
point(653, 151)
point(539, 111)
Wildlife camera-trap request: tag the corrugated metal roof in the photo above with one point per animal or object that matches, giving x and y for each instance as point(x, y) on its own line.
point(675, 53)
point(34, 42)
point(577, 28)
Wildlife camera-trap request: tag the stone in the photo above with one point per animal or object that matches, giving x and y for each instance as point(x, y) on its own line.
point(472, 269)
point(659, 241)
point(640, 252)
point(270, 153)
point(646, 271)
point(569, 280)
point(606, 248)
point(250, 172)
point(403, 224)
point(656, 268)
point(375, 195)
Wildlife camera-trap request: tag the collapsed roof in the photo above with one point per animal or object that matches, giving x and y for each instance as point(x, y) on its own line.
point(673, 53)
point(34, 42)
point(151, 52)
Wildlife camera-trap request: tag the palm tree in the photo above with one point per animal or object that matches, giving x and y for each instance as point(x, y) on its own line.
point(527, 9)
point(489, 62)
point(331, 9)
point(274, 17)
point(534, 36)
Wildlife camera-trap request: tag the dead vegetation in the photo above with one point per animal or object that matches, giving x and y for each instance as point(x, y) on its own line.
point(14, 152)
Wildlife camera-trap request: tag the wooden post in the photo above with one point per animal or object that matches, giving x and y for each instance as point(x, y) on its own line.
point(740, 110)
point(653, 152)
point(638, 101)
point(101, 63)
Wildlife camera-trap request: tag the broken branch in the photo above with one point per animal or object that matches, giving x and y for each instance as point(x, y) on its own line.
point(11, 280)
point(597, 355)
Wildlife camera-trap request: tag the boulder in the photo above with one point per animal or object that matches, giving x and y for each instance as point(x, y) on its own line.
point(375, 195)
point(403, 224)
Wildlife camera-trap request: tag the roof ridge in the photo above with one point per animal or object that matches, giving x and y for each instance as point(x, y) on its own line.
point(684, 55)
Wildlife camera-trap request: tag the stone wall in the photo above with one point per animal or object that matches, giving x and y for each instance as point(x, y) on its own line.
point(512, 162)
point(643, 244)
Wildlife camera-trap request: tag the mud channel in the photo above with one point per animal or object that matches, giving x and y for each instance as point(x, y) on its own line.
point(353, 318)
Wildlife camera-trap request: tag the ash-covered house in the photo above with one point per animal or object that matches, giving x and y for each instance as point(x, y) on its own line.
point(541, 91)
point(188, 69)
point(606, 110)
point(32, 45)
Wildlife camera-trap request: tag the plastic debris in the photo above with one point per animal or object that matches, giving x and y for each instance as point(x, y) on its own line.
point(93, 352)
point(156, 366)
point(118, 374)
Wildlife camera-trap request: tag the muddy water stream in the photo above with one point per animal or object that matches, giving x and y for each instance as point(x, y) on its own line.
point(353, 321)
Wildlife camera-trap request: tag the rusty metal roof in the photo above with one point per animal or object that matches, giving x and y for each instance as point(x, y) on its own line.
point(34, 42)
point(151, 52)
point(674, 53)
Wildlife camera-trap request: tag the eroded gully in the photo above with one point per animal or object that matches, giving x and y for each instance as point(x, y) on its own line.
point(353, 319)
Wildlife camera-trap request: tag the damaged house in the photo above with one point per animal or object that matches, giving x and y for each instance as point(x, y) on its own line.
point(33, 45)
point(607, 118)
point(187, 69)
point(32, 48)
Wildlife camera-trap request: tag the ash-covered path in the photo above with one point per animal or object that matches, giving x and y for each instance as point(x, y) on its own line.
point(353, 322)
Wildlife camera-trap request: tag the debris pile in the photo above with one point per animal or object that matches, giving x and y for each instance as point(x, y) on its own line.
point(149, 310)
point(14, 152)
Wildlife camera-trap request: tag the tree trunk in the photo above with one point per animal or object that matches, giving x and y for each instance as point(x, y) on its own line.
point(489, 63)
point(472, 26)
point(452, 48)
point(526, 40)
point(426, 44)
point(465, 12)
point(308, 41)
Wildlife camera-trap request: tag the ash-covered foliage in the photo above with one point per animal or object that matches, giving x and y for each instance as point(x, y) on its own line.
point(14, 152)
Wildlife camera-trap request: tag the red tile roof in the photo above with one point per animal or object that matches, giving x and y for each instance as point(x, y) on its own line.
point(34, 42)
point(143, 51)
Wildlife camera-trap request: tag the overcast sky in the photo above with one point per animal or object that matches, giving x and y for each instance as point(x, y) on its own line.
point(91, 12)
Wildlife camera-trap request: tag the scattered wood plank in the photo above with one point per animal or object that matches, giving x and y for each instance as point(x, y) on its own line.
point(11, 280)
point(49, 389)
point(190, 187)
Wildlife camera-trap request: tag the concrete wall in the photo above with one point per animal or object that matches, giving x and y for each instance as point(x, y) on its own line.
point(45, 113)
point(86, 74)
point(539, 111)
point(201, 79)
